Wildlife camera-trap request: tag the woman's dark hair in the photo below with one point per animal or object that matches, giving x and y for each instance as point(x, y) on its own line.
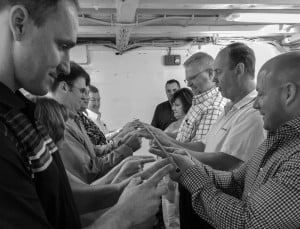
point(186, 96)
point(52, 115)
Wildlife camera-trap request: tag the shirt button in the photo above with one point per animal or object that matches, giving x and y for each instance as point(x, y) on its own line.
point(249, 194)
point(261, 170)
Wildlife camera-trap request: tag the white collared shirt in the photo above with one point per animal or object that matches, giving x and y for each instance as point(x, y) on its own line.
point(96, 118)
point(238, 132)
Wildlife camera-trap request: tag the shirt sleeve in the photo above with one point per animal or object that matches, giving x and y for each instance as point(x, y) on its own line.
point(244, 137)
point(80, 161)
point(208, 117)
point(276, 204)
point(20, 204)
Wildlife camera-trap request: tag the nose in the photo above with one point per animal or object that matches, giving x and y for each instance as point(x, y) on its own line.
point(256, 104)
point(64, 66)
point(215, 79)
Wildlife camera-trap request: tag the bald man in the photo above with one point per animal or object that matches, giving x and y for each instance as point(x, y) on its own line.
point(265, 191)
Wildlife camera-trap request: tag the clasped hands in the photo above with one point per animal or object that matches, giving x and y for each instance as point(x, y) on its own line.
point(179, 155)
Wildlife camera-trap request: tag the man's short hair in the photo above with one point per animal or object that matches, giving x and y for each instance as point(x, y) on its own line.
point(76, 71)
point(38, 10)
point(199, 57)
point(241, 53)
point(172, 81)
point(93, 89)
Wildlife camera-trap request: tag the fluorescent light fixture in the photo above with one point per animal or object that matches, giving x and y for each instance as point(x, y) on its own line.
point(279, 18)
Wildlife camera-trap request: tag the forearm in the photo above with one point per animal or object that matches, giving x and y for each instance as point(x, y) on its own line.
point(108, 178)
point(217, 160)
point(193, 146)
point(172, 135)
point(262, 208)
point(115, 157)
point(211, 201)
point(90, 198)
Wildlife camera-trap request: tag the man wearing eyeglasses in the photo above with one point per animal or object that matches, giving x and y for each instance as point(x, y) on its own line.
point(79, 154)
point(208, 102)
point(238, 132)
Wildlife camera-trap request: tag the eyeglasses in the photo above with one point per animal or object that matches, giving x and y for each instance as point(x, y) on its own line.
point(192, 78)
point(83, 91)
point(94, 100)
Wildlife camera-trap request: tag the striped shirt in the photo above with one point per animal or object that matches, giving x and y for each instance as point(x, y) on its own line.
point(204, 111)
point(263, 193)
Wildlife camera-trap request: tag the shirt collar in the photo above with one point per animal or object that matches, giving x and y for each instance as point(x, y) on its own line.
point(12, 100)
point(198, 99)
point(246, 100)
point(291, 127)
point(92, 114)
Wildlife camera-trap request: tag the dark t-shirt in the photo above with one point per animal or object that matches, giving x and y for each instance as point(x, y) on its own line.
point(43, 202)
point(163, 116)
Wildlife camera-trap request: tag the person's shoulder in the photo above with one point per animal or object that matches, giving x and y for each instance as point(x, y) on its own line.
point(250, 114)
point(9, 152)
point(72, 129)
point(163, 104)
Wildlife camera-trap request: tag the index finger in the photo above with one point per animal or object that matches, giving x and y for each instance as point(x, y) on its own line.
point(146, 160)
point(139, 157)
point(157, 151)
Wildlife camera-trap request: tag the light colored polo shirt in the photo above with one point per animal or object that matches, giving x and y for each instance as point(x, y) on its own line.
point(238, 132)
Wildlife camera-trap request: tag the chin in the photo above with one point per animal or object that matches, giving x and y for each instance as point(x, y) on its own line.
point(39, 92)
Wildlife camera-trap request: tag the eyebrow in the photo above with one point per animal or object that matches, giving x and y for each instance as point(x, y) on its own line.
point(193, 76)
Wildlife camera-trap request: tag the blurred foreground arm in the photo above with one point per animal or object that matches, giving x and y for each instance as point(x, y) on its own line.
point(139, 202)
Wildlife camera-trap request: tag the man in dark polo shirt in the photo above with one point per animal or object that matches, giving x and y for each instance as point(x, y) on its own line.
point(35, 40)
point(163, 114)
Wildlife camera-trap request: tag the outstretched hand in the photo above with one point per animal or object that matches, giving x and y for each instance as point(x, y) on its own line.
point(131, 166)
point(183, 160)
point(141, 198)
point(128, 127)
point(144, 130)
point(132, 140)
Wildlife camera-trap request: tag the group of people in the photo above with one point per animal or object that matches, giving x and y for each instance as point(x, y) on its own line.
point(233, 145)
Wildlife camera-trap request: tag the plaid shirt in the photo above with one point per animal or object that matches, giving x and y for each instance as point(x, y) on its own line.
point(204, 111)
point(263, 193)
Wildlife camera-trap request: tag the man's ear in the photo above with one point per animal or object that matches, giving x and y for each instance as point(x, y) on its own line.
point(19, 18)
point(240, 69)
point(63, 86)
point(290, 91)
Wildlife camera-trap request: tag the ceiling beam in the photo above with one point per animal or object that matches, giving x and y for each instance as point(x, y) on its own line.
point(126, 10)
point(122, 34)
point(196, 4)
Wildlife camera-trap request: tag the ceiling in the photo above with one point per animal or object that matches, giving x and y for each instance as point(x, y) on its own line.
point(128, 24)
